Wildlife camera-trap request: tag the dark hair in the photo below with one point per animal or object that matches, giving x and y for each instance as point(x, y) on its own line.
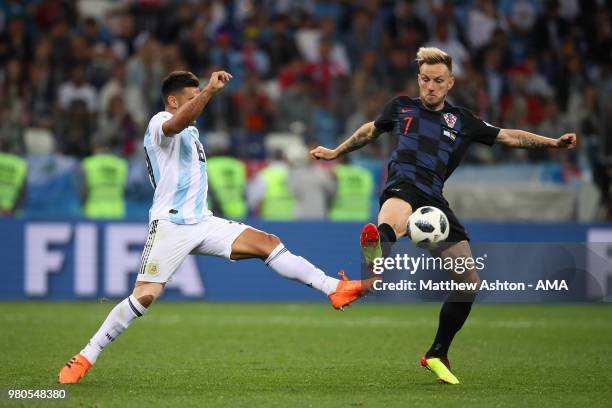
point(176, 81)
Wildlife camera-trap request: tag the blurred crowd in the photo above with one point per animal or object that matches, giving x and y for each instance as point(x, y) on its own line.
point(89, 71)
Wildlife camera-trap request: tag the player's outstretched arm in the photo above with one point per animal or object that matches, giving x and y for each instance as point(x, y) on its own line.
point(188, 113)
point(521, 138)
point(362, 136)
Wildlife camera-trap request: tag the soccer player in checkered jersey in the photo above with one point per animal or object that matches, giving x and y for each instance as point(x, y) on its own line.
point(181, 224)
point(432, 136)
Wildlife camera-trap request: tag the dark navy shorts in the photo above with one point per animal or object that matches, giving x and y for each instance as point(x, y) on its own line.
point(417, 198)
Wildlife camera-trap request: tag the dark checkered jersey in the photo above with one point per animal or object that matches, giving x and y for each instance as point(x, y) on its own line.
point(430, 143)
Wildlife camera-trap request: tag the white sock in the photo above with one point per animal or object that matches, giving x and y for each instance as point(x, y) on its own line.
point(297, 268)
point(117, 321)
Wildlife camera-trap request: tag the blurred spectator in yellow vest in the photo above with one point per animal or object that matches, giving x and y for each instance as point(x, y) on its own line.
point(269, 193)
point(353, 199)
point(104, 186)
point(13, 174)
point(226, 186)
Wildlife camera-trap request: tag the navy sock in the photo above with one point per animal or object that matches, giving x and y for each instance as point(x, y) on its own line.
point(453, 314)
point(387, 238)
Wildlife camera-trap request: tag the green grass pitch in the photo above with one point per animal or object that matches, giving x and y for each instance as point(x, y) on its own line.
point(226, 355)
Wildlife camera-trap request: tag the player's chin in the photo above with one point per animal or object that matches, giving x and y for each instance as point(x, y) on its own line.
point(434, 99)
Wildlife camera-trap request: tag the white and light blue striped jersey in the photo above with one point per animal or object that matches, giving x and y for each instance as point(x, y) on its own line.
point(177, 169)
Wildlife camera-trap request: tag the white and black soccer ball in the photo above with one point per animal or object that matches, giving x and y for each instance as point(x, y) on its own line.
point(427, 226)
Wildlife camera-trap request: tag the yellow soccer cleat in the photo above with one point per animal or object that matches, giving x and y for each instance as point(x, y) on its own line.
point(441, 368)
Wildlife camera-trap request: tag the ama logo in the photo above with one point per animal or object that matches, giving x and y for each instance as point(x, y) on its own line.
point(552, 285)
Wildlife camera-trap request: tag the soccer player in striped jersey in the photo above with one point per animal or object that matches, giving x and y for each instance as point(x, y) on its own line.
point(181, 224)
point(433, 136)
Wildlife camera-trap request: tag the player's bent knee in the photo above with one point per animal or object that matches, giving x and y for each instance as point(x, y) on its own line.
point(146, 300)
point(268, 244)
point(274, 240)
point(147, 292)
point(263, 245)
point(474, 280)
point(469, 280)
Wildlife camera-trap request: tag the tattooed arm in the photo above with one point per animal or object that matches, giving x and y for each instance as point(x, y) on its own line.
point(522, 139)
point(364, 135)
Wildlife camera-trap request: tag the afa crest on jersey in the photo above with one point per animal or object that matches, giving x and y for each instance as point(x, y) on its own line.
point(450, 119)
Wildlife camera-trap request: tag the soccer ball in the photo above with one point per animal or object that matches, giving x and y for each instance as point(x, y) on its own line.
point(427, 226)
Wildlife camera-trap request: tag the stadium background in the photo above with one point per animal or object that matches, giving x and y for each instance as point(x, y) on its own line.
point(80, 76)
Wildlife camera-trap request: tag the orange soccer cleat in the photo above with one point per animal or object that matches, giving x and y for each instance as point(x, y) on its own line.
point(74, 370)
point(349, 291)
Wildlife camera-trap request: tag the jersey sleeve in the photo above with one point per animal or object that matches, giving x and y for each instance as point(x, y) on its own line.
point(155, 128)
point(385, 119)
point(479, 130)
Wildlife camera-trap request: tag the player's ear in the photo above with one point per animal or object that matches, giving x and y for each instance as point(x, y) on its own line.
point(172, 102)
point(451, 82)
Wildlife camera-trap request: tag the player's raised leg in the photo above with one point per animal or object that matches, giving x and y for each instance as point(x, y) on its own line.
point(376, 241)
point(454, 313)
point(252, 243)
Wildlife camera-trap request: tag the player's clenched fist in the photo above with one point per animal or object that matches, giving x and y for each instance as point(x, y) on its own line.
point(323, 153)
point(567, 141)
point(218, 80)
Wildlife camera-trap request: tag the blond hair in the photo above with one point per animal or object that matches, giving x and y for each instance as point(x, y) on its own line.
point(433, 55)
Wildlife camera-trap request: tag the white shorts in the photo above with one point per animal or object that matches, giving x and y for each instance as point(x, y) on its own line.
point(168, 245)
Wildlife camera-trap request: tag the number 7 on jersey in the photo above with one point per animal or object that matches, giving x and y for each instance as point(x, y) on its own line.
point(408, 120)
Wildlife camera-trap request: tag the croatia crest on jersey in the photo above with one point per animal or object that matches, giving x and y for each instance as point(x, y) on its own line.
point(450, 119)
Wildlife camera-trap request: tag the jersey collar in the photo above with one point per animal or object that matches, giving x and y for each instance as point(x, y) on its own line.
point(444, 108)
